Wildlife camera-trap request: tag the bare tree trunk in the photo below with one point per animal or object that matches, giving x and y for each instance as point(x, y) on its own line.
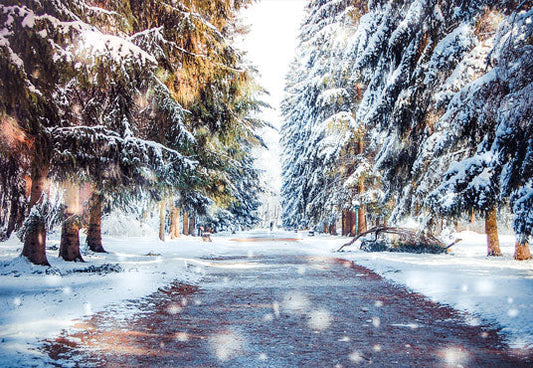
point(35, 240)
point(522, 251)
point(472, 216)
point(185, 223)
point(174, 223)
point(333, 229)
point(361, 212)
point(348, 223)
point(94, 231)
point(344, 226)
point(69, 248)
point(16, 214)
point(491, 229)
point(162, 220)
point(353, 224)
point(192, 220)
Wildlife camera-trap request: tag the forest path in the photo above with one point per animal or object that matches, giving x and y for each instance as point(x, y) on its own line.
point(283, 310)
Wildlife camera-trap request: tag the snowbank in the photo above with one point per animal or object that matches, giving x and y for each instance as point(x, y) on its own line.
point(38, 302)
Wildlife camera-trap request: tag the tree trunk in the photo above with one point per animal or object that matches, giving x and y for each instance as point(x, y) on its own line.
point(333, 229)
point(361, 213)
point(343, 222)
point(192, 224)
point(522, 248)
point(472, 216)
point(353, 224)
point(417, 209)
point(35, 239)
point(162, 220)
point(69, 248)
point(185, 223)
point(94, 231)
point(16, 214)
point(491, 229)
point(174, 223)
point(348, 223)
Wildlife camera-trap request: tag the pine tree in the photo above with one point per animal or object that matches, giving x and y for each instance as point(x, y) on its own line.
point(210, 84)
point(424, 105)
point(319, 126)
point(34, 61)
point(489, 167)
point(100, 139)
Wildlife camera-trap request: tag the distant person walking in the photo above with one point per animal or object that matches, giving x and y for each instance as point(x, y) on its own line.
point(271, 225)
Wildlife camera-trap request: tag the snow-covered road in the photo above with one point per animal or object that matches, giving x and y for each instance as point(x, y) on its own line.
point(35, 305)
point(282, 310)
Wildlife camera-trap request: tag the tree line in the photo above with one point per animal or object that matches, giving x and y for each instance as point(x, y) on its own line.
point(135, 103)
point(411, 109)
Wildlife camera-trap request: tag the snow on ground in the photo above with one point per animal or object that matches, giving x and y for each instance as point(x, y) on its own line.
point(37, 305)
point(491, 289)
point(37, 302)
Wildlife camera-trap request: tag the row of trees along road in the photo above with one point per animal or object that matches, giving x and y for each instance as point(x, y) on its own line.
point(140, 101)
point(411, 109)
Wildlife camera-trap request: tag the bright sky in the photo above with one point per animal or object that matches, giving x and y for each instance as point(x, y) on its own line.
point(271, 43)
point(270, 48)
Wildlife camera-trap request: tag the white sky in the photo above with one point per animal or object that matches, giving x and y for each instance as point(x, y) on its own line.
point(270, 46)
point(271, 43)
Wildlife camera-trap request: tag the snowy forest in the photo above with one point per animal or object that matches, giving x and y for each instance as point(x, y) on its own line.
point(266, 183)
point(394, 111)
point(136, 105)
point(412, 110)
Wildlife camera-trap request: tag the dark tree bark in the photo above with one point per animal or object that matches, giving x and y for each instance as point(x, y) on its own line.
point(192, 225)
point(491, 229)
point(35, 240)
point(69, 248)
point(353, 224)
point(16, 214)
point(333, 229)
point(94, 231)
point(349, 223)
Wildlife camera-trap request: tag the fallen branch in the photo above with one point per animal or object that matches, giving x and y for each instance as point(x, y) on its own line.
point(376, 229)
point(408, 239)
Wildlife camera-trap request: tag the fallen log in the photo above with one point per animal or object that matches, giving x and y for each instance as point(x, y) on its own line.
point(397, 239)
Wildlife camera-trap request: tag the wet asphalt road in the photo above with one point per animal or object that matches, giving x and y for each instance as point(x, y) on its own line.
point(283, 311)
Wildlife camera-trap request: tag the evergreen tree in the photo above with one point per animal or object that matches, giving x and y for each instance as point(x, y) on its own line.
point(427, 84)
point(326, 152)
point(496, 107)
point(34, 61)
point(105, 77)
